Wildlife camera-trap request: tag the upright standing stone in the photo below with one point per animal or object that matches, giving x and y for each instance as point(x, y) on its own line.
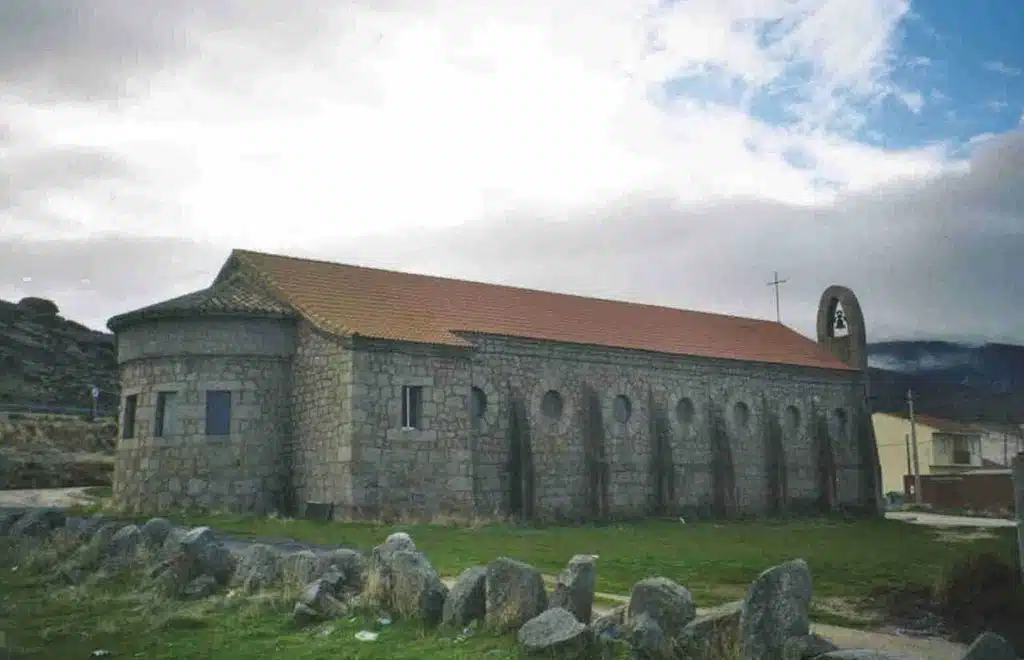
point(574, 590)
point(1018, 502)
point(775, 609)
point(990, 646)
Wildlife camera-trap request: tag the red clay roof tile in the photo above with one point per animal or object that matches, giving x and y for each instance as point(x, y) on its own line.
point(941, 425)
point(385, 304)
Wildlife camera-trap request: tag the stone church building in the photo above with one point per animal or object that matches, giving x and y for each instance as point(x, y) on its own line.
point(368, 392)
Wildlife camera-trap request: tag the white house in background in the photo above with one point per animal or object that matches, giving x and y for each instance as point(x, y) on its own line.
point(999, 443)
point(943, 447)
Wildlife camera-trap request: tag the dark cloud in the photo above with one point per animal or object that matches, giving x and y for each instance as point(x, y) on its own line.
point(933, 259)
point(33, 174)
point(93, 279)
point(939, 258)
point(98, 49)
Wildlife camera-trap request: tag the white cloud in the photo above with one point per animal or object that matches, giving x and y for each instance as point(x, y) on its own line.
point(350, 127)
point(443, 115)
point(914, 101)
point(1003, 68)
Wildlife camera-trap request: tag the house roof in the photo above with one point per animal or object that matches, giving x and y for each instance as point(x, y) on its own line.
point(232, 296)
point(941, 425)
point(383, 304)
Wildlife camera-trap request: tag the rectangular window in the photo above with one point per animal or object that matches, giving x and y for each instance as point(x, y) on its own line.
point(131, 403)
point(218, 412)
point(412, 406)
point(961, 451)
point(163, 422)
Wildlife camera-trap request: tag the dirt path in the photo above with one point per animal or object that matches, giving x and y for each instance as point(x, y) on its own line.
point(926, 648)
point(59, 498)
point(939, 520)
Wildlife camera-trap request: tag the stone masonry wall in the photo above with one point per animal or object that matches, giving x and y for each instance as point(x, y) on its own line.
point(426, 470)
point(458, 463)
point(656, 385)
point(322, 416)
point(318, 418)
point(185, 468)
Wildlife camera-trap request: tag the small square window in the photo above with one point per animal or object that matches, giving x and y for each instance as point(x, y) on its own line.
point(412, 406)
point(218, 412)
point(131, 404)
point(163, 421)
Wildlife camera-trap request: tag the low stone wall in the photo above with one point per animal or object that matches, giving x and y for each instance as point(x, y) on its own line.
point(50, 468)
point(66, 433)
point(55, 451)
point(659, 622)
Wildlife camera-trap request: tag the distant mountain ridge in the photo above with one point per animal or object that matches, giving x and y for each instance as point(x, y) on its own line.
point(950, 380)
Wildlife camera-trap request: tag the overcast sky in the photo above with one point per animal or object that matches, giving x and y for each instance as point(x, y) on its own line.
point(674, 153)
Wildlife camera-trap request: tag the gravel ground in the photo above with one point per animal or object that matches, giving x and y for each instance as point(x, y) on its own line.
point(939, 520)
point(925, 648)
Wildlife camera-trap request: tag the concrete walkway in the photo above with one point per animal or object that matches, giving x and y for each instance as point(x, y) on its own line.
point(57, 498)
point(940, 520)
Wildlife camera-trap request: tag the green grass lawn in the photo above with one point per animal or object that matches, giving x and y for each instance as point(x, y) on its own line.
point(43, 621)
point(716, 561)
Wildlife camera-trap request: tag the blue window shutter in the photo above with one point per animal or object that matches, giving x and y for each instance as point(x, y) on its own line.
point(218, 412)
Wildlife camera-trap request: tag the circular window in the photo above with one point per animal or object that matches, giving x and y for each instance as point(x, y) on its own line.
point(792, 418)
point(622, 409)
point(477, 405)
point(841, 421)
point(551, 404)
point(685, 411)
point(741, 414)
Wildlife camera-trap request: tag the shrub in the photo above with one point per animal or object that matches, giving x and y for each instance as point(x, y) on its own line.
point(983, 592)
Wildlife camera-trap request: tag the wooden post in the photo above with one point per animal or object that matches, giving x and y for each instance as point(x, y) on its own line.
point(1018, 501)
point(918, 498)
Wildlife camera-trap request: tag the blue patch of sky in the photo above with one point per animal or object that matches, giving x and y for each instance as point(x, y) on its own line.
point(950, 52)
point(709, 85)
point(799, 158)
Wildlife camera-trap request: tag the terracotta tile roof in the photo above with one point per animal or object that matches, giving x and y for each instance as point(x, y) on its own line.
point(941, 425)
point(383, 304)
point(232, 295)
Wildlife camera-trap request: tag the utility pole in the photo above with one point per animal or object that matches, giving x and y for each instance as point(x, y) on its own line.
point(906, 440)
point(775, 283)
point(1018, 501)
point(913, 442)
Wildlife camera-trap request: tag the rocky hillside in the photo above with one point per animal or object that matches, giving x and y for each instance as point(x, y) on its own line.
point(46, 359)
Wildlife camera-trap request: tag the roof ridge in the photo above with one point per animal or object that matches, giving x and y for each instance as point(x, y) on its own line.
point(349, 299)
point(267, 280)
point(512, 287)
